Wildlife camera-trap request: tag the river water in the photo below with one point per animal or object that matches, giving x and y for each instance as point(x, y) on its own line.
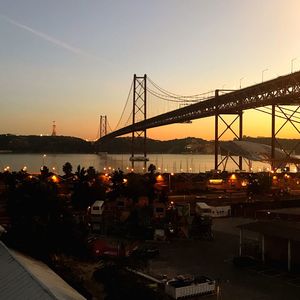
point(191, 163)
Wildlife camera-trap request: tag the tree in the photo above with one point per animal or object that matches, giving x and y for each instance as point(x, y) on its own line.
point(151, 180)
point(117, 179)
point(67, 169)
point(91, 173)
point(44, 172)
point(80, 173)
point(32, 207)
point(151, 169)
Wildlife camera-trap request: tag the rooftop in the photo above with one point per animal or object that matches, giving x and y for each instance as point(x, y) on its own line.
point(23, 277)
point(279, 229)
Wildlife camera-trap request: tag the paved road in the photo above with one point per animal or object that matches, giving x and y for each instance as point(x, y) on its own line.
point(214, 260)
point(229, 225)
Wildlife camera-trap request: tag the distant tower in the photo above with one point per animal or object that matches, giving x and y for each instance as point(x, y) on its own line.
point(54, 129)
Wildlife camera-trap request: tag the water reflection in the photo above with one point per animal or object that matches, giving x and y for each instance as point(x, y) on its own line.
point(163, 162)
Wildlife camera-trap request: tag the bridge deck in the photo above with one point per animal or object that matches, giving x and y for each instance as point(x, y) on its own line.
point(283, 90)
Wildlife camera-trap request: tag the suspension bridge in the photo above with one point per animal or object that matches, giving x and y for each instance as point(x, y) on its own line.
point(279, 98)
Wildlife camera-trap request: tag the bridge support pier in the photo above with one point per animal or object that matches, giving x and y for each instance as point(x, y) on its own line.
point(289, 117)
point(228, 127)
point(139, 113)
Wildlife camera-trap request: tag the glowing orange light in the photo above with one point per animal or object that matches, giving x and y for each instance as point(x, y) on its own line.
point(54, 178)
point(244, 183)
point(216, 181)
point(233, 177)
point(159, 178)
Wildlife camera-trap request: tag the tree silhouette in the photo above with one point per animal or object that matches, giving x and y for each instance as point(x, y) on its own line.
point(67, 169)
point(80, 173)
point(44, 172)
point(151, 168)
point(91, 173)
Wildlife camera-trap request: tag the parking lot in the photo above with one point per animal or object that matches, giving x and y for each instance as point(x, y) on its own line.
point(214, 259)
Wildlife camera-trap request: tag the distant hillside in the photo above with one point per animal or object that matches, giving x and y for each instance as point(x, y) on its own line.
point(67, 144)
point(186, 145)
point(43, 144)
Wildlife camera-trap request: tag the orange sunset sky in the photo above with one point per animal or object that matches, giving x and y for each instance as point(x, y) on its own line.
point(72, 61)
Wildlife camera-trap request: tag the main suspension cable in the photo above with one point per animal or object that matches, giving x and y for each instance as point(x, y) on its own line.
point(173, 95)
point(124, 106)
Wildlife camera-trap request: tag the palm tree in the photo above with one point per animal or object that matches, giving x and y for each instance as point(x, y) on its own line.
point(80, 173)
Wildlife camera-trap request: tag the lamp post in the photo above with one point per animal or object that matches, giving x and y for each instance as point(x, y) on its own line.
point(262, 74)
point(292, 63)
point(241, 82)
point(170, 176)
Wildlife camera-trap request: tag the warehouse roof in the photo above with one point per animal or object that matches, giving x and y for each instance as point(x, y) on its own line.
point(279, 229)
point(23, 277)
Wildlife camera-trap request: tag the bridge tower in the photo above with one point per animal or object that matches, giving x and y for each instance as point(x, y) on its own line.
point(103, 126)
point(139, 113)
point(237, 117)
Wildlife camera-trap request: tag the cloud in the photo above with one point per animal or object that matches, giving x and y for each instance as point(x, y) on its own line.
point(51, 39)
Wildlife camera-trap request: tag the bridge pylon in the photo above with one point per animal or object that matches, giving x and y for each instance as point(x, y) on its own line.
point(237, 117)
point(103, 126)
point(139, 113)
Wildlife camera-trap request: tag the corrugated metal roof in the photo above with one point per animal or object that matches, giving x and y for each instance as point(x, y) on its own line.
point(23, 277)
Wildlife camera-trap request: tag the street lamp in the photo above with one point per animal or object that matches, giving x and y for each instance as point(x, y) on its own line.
point(44, 156)
point(292, 63)
point(170, 175)
point(262, 74)
point(241, 82)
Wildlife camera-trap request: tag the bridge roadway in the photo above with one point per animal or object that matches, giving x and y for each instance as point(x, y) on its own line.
point(283, 90)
